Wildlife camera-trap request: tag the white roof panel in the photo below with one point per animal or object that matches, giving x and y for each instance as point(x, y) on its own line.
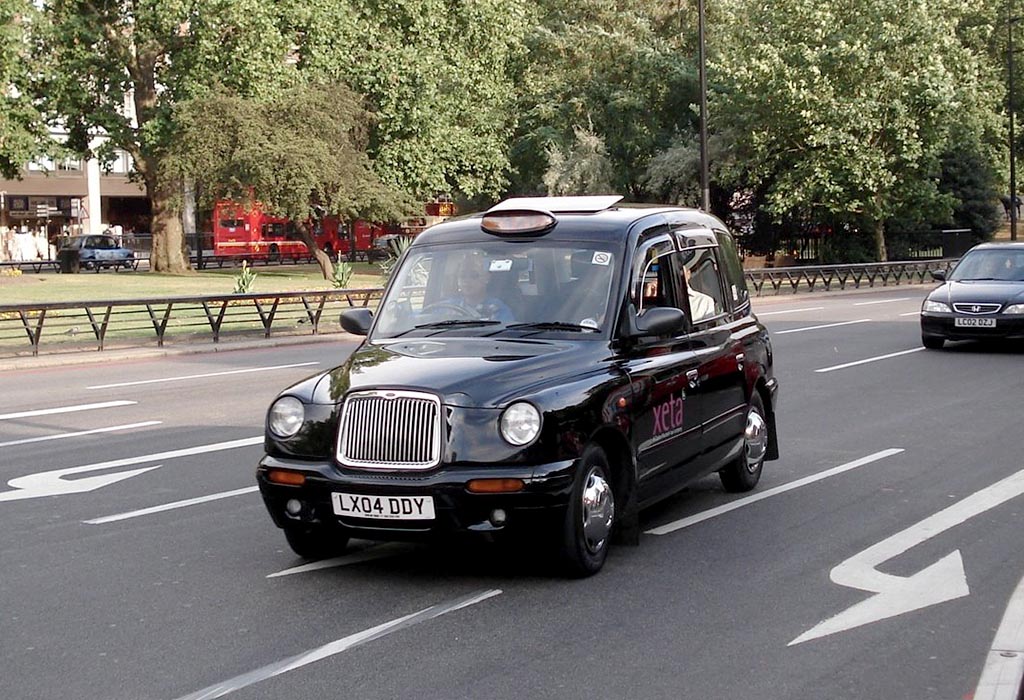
point(588, 204)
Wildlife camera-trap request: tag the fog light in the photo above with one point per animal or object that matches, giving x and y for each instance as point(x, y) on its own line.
point(293, 506)
point(498, 517)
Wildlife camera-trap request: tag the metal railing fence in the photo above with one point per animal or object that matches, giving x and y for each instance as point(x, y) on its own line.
point(71, 325)
point(76, 325)
point(809, 278)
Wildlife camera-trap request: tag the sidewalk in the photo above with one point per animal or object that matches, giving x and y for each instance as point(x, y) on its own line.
point(126, 354)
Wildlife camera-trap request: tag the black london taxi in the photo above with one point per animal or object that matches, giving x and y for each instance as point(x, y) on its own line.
point(981, 299)
point(550, 367)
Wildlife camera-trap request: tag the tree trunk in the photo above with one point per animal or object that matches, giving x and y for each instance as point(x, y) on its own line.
point(322, 258)
point(883, 255)
point(168, 254)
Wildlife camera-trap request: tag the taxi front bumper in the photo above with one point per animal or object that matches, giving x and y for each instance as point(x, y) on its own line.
point(538, 505)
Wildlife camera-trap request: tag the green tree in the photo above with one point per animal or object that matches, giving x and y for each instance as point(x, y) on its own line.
point(845, 108)
point(288, 153)
point(116, 70)
point(624, 72)
point(22, 131)
point(436, 75)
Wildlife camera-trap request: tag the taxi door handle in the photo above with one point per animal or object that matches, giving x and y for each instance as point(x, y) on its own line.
point(693, 377)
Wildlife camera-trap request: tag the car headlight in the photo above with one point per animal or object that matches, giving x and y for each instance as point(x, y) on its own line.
point(935, 306)
point(1014, 309)
point(286, 416)
point(520, 423)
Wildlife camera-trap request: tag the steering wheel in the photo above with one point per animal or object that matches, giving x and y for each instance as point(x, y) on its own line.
point(458, 308)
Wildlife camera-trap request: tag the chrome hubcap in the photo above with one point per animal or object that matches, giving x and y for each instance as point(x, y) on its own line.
point(598, 510)
point(755, 439)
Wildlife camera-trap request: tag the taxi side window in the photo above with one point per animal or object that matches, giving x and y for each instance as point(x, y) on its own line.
point(652, 284)
point(703, 282)
point(735, 282)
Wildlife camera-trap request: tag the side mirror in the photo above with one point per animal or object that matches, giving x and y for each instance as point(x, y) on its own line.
point(660, 320)
point(938, 275)
point(356, 321)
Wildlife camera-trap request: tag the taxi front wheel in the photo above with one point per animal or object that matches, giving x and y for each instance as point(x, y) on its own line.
point(745, 471)
point(315, 542)
point(586, 530)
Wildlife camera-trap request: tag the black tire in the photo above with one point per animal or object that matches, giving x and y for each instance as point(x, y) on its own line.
point(745, 471)
point(275, 254)
point(316, 542)
point(589, 518)
point(933, 342)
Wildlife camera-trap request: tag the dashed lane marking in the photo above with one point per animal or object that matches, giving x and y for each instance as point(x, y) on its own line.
point(739, 503)
point(65, 409)
point(337, 647)
point(202, 376)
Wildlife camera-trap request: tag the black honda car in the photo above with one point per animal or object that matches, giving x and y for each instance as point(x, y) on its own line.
point(549, 367)
point(982, 298)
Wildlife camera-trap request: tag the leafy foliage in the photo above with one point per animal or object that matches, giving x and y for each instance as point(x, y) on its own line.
point(22, 131)
point(846, 107)
point(245, 279)
point(342, 275)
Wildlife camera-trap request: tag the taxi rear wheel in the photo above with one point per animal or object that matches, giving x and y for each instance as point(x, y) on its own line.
point(315, 542)
point(745, 471)
point(587, 527)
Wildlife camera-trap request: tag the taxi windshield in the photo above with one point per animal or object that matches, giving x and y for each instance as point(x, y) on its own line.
point(495, 288)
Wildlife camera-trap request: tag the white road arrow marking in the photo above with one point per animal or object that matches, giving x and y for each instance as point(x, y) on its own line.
point(895, 595)
point(52, 483)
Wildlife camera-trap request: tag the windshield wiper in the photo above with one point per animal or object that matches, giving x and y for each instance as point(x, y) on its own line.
point(451, 323)
point(552, 326)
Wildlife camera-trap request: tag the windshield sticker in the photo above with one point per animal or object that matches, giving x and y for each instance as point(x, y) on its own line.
point(501, 265)
point(601, 258)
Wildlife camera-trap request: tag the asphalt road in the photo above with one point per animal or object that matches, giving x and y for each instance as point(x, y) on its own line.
point(137, 561)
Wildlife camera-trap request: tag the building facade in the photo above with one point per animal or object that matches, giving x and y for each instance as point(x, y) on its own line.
point(74, 196)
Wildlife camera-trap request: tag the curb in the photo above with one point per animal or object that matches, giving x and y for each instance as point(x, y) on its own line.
point(125, 354)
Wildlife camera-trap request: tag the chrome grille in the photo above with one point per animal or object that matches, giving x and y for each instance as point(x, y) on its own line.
point(974, 308)
point(390, 430)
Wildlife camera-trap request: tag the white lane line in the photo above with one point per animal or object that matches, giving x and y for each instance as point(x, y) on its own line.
point(170, 506)
point(728, 507)
point(870, 359)
point(61, 436)
point(787, 311)
point(1004, 666)
point(882, 301)
point(370, 553)
point(202, 376)
point(912, 313)
point(65, 409)
point(827, 325)
point(338, 646)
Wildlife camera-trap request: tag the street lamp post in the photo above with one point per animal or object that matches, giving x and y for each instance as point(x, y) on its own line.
point(1010, 19)
point(705, 193)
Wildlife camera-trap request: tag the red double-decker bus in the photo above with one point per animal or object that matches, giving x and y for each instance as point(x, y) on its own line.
point(252, 233)
point(255, 234)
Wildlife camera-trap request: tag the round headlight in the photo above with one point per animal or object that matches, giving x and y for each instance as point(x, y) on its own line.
point(520, 423)
point(286, 416)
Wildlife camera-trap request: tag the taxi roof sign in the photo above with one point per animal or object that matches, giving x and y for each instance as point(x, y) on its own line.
point(582, 205)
